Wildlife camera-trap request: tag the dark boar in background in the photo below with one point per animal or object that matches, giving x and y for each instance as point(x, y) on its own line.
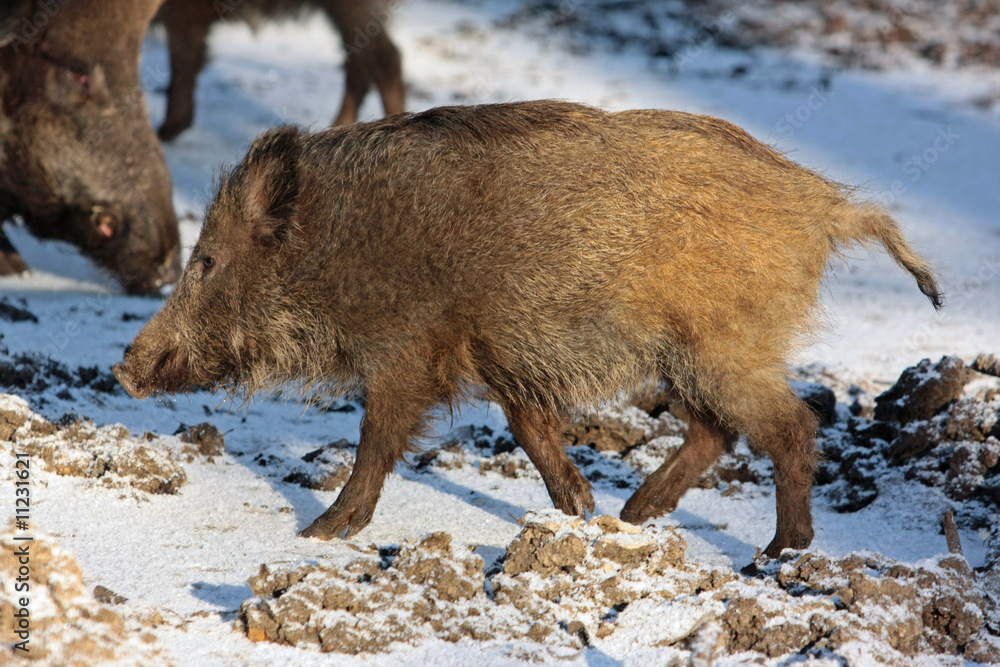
point(79, 161)
point(551, 253)
point(372, 58)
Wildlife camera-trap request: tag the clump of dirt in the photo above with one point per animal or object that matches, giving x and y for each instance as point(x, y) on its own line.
point(66, 625)
point(513, 465)
point(327, 468)
point(448, 456)
point(924, 429)
point(620, 429)
point(934, 608)
point(566, 584)
point(81, 449)
point(35, 373)
point(561, 580)
point(420, 590)
point(575, 578)
point(16, 312)
point(922, 391)
point(207, 440)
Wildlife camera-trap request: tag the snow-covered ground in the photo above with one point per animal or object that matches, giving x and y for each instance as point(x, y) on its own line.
point(910, 138)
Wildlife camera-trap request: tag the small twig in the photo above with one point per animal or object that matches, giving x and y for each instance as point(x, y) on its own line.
point(951, 534)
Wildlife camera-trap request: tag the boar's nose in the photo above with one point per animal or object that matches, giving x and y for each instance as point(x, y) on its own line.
point(126, 380)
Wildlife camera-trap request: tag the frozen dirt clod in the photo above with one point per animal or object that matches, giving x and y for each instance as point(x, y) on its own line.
point(934, 608)
point(207, 440)
point(923, 430)
point(922, 391)
point(987, 364)
point(16, 313)
point(566, 583)
point(67, 626)
point(422, 590)
point(82, 449)
point(620, 429)
point(326, 469)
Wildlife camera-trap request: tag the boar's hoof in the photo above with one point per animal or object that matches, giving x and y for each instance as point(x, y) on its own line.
point(573, 499)
point(11, 263)
point(799, 538)
point(171, 128)
point(644, 505)
point(341, 521)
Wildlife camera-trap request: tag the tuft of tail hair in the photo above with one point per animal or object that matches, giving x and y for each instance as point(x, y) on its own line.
point(866, 223)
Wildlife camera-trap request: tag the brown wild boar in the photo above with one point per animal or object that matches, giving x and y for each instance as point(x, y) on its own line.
point(79, 160)
point(372, 58)
point(551, 253)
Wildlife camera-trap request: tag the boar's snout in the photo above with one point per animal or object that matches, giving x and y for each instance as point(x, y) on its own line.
point(147, 256)
point(148, 370)
point(127, 381)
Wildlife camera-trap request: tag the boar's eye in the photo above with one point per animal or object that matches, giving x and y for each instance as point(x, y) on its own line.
point(207, 264)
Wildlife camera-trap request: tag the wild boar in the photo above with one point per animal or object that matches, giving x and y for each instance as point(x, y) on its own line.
point(372, 58)
point(550, 253)
point(79, 160)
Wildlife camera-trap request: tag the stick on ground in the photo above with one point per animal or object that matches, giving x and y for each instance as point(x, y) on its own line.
point(951, 534)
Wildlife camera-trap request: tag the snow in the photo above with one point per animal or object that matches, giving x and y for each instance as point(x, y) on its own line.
point(908, 138)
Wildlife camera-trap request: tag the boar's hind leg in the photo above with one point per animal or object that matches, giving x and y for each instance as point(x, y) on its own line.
point(538, 433)
point(662, 490)
point(392, 419)
point(186, 35)
point(779, 424)
point(788, 436)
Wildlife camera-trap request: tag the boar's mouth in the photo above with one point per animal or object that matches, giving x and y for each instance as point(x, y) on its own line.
point(167, 374)
point(142, 263)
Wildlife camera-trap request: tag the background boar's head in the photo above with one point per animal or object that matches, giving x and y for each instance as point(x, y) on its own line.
point(79, 160)
point(233, 321)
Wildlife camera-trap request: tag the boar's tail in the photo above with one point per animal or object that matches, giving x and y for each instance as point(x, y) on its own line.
point(866, 223)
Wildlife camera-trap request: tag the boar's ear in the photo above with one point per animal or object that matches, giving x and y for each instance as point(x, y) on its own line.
point(271, 181)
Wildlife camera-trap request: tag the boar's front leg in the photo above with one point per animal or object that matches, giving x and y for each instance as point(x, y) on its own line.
point(538, 431)
point(392, 419)
point(662, 490)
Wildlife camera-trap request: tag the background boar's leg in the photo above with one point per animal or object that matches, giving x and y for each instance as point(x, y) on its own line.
point(392, 419)
point(10, 259)
point(662, 490)
point(539, 434)
point(377, 63)
point(187, 58)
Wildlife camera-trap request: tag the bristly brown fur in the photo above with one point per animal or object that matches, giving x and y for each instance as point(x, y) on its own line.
point(551, 253)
